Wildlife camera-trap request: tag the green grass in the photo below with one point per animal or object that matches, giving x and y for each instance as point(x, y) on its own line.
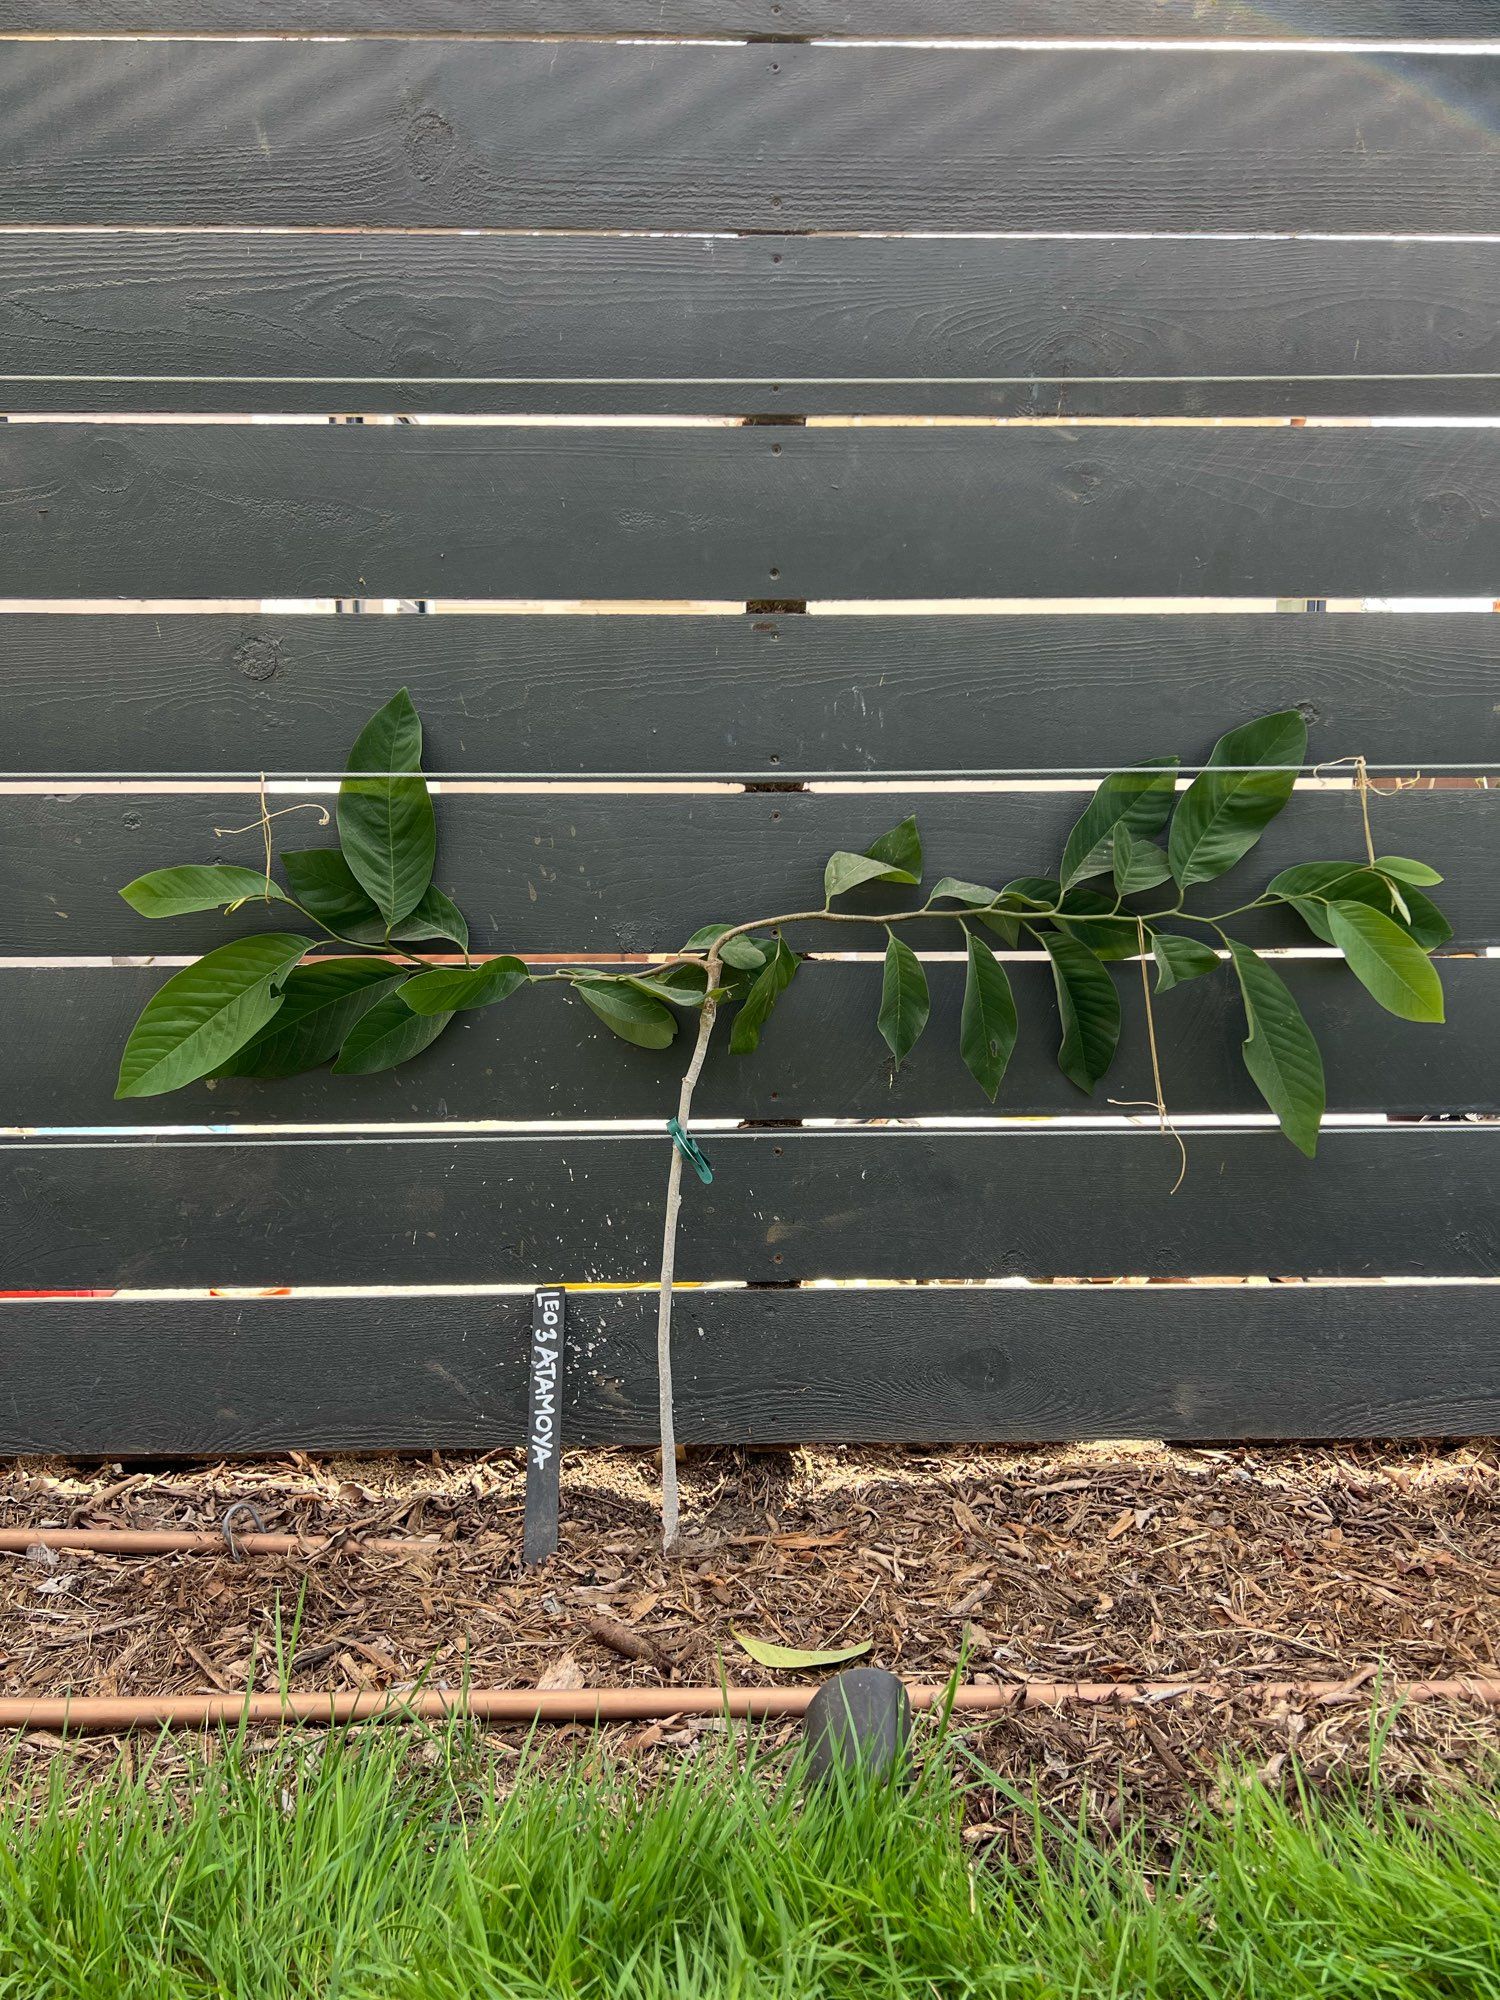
point(395, 1865)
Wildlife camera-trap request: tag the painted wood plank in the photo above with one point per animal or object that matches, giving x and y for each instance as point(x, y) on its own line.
point(574, 135)
point(1031, 1201)
point(1457, 20)
point(761, 697)
point(780, 324)
point(604, 872)
point(312, 509)
point(224, 1377)
point(545, 1057)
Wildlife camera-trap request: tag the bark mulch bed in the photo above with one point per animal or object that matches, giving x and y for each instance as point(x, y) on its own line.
point(1101, 1562)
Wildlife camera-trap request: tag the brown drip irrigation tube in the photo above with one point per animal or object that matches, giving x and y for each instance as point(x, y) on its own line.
point(183, 1541)
point(644, 1704)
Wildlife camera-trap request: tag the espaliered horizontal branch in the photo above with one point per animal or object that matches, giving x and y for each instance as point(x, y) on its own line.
point(277, 1003)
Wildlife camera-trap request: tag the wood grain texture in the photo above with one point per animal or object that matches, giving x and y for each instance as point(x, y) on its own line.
point(764, 698)
point(1292, 19)
point(1031, 1201)
point(321, 510)
point(589, 872)
point(223, 1377)
point(612, 324)
point(546, 1057)
point(575, 135)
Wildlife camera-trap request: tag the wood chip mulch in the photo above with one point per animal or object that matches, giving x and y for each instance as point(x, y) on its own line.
point(1103, 1562)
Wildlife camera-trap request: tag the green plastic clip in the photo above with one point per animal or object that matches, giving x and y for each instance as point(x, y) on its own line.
point(690, 1150)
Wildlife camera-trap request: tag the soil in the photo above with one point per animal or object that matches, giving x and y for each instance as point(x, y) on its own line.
point(1364, 1564)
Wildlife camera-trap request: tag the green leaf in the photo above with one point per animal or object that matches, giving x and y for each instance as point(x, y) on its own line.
point(1385, 961)
point(1043, 890)
point(987, 1026)
point(1007, 929)
point(1138, 799)
point(976, 897)
point(900, 850)
point(974, 894)
point(746, 954)
point(846, 871)
point(1139, 864)
point(627, 1012)
point(1280, 1053)
point(386, 824)
point(791, 1657)
point(1417, 873)
point(174, 892)
point(895, 857)
point(904, 999)
point(449, 988)
point(1179, 959)
point(207, 1011)
point(323, 883)
point(1223, 812)
point(1107, 935)
point(1090, 1010)
point(390, 1033)
point(678, 985)
point(320, 1003)
point(1312, 885)
point(436, 916)
point(768, 988)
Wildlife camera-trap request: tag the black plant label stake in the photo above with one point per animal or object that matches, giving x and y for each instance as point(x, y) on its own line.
point(544, 1424)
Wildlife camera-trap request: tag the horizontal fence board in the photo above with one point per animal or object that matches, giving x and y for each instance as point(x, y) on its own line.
point(1428, 19)
point(761, 697)
point(586, 136)
point(591, 872)
point(1029, 1202)
point(149, 511)
point(219, 1377)
point(403, 323)
point(546, 1057)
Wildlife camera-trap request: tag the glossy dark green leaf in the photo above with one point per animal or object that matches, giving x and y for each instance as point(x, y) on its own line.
point(1139, 798)
point(1225, 810)
point(769, 985)
point(1284, 1061)
point(1090, 1010)
point(973, 895)
point(746, 954)
point(390, 1033)
point(904, 1000)
point(436, 916)
point(386, 824)
point(678, 985)
point(627, 1012)
point(846, 871)
point(987, 1027)
point(174, 892)
point(1090, 916)
point(448, 989)
point(1417, 873)
point(320, 1004)
point(1139, 863)
point(1179, 959)
point(1033, 891)
point(207, 1011)
point(1392, 968)
point(1312, 885)
point(1006, 928)
point(900, 850)
point(323, 883)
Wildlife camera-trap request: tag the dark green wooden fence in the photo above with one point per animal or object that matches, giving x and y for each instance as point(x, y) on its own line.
point(721, 210)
